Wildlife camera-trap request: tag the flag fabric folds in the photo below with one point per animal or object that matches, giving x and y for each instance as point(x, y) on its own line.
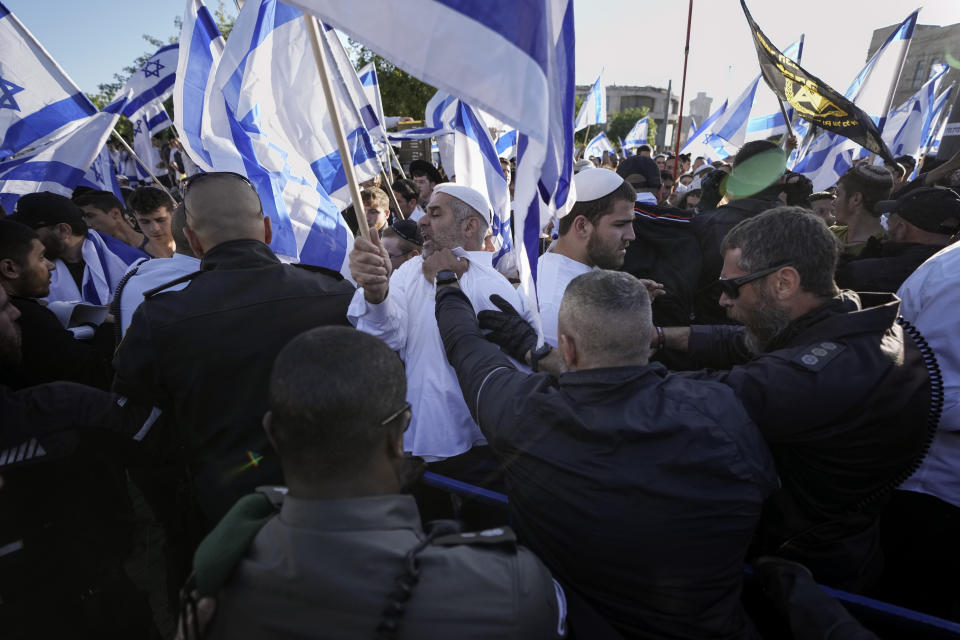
point(150, 120)
point(638, 133)
point(58, 162)
point(151, 82)
point(593, 110)
point(811, 98)
point(101, 174)
point(597, 145)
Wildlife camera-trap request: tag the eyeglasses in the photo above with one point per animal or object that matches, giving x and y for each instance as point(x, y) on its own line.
point(396, 414)
point(731, 286)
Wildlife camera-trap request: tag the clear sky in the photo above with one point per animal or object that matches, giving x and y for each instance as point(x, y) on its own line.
point(634, 41)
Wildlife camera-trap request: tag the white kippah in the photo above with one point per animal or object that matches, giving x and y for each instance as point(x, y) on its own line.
point(469, 195)
point(593, 184)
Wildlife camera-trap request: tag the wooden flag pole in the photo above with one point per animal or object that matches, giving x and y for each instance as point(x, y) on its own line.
point(314, 31)
point(392, 157)
point(136, 157)
point(683, 89)
point(786, 120)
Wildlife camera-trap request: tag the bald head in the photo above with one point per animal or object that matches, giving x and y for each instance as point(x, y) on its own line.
point(605, 321)
point(221, 207)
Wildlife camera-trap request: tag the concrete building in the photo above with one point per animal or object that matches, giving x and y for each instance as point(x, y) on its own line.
point(620, 98)
point(928, 49)
point(699, 112)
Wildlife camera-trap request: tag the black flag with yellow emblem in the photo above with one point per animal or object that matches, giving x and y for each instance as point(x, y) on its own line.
point(811, 98)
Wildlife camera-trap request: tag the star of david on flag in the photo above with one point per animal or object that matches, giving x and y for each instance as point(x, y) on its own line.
point(7, 91)
point(154, 71)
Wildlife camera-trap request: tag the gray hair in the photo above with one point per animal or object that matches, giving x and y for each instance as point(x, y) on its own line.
point(608, 314)
point(462, 211)
point(788, 235)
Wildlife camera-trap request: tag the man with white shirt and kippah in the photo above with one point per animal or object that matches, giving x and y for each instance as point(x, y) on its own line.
point(397, 307)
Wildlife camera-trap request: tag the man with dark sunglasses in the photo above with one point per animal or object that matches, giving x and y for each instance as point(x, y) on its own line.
point(838, 390)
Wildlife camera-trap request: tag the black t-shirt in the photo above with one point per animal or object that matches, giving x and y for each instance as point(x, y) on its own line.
point(76, 271)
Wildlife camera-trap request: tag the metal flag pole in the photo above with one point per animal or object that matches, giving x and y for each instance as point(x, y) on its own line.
point(683, 89)
point(320, 57)
point(136, 157)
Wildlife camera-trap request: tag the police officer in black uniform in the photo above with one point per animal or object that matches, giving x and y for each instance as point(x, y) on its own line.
point(203, 354)
point(838, 388)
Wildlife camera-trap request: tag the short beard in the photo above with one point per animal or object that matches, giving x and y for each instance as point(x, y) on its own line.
point(54, 246)
point(10, 352)
point(603, 259)
point(767, 321)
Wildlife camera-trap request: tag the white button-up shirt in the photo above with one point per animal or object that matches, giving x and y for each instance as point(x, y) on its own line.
point(441, 426)
point(931, 299)
point(554, 273)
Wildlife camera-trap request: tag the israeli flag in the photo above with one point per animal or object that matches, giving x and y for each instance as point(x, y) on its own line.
point(934, 146)
point(536, 97)
point(597, 145)
point(58, 162)
point(830, 155)
point(623, 147)
point(908, 126)
point(371, 87)
point(766, 120)
point(153, 81)
point(704, 143)
point(638, 133)
point(199, 56)
point(36, 96)
point(150, 120)
point(507, 145)
point(593, 110)
point(101, 175)
point(941, 109)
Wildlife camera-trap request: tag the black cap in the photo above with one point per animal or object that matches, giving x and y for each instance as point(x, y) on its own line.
point(409, 230)
point(422, 166)
point(44, 209)
point(644, 166)
point(933, 209)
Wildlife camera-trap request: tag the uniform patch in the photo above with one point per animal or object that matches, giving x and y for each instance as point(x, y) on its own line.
point(818, 355)
point(498, 536)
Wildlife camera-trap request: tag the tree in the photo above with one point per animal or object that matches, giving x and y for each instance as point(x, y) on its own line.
point(401, 93)
point(621, 123)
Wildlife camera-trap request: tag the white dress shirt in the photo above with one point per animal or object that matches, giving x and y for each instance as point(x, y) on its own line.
point(554, 273)
point(931, 300)
point(151, 274)
point(441, 426)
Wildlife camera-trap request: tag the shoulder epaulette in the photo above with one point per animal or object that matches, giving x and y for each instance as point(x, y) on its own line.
point(818, 355)
point(164, 287)
point(488, 537)
point(315, 269)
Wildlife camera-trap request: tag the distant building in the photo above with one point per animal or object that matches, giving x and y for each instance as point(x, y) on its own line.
point(928, 49)
point(699, 112)
point(621, 98)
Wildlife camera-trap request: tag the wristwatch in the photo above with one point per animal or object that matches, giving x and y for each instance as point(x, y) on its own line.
point(536, 355)
point(445, 276)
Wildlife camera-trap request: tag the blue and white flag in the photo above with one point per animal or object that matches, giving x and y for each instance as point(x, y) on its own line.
point(692, 128)
point(704, 143)
point(507, 145)
point(371, 86)
point(536, 98)
point(908, 126)
point(593, 110)
point(830, 155)
point(151, 82)
point(934, 147)
point(597, 146)
point(638, 133)
point(941, 111)
point(58, 162)
point(199, 56)
point(36, 96)
point(150, 120)
point(623, 147)
point(766, 119)
point(101, 174)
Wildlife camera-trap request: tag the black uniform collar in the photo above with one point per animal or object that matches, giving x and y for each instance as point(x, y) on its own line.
point(613, 375)
point(846, 314)
point(238, 254)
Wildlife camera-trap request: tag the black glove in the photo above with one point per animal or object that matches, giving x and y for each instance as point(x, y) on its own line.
point(508, 329)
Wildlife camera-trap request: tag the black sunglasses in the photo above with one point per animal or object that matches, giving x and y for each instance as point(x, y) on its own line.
point(731, 286)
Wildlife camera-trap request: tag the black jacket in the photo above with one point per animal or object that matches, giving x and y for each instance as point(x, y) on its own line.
point(51, 353)
point(886, 271)
point(842, 398)
point(710, 228)
point(666, 250)
point(639, 490)
point(204, 355)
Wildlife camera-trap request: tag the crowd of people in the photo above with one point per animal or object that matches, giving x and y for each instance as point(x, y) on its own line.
point(720, 367)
